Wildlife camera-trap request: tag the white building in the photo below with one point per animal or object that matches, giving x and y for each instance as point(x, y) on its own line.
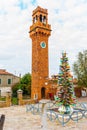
point(6, 81)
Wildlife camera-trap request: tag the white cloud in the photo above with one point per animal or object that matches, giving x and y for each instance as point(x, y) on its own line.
point(68, 19)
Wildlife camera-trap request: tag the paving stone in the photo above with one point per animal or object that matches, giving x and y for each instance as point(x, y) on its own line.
point(16, 118)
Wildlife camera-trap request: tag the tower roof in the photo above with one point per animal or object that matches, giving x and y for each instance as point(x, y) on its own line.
point(39, 9)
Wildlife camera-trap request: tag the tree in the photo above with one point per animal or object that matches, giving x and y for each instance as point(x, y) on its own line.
point(25, 85)
point(80, 68)
point(65, 83)
point(15, 87)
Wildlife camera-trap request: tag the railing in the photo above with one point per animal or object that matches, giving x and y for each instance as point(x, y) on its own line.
point(80, 111)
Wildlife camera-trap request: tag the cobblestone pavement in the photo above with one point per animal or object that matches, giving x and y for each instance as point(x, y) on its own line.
point(16, 118)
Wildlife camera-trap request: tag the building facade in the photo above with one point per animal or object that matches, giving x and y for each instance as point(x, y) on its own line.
point(6, 81)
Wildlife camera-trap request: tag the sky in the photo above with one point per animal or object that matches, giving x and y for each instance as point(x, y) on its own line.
point(68, 20)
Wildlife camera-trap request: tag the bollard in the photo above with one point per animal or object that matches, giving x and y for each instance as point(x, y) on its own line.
point(2, 119)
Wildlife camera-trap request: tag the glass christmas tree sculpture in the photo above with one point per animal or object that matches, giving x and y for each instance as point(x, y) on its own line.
point(65, 83)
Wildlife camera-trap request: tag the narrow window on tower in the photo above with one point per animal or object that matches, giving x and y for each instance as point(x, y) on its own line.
point(34, 20)
point(0, 81)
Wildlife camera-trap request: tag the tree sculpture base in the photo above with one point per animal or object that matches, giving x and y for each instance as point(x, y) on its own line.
point(65, 109)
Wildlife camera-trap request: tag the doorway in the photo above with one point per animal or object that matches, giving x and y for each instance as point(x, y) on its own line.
point(43, 92)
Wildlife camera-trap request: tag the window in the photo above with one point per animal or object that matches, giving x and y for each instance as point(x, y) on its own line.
point(9, 81)
point(0, 81)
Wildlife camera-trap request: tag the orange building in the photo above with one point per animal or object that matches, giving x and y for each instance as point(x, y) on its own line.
point(39, 33)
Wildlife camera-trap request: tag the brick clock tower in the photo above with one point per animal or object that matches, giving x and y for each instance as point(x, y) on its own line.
point(39, 33)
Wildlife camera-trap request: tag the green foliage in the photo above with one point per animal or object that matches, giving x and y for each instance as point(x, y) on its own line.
point(25, 85)
point(26, 79)
point(15, 87)
point(2, 98)
point(14, 101)
point(80, 68)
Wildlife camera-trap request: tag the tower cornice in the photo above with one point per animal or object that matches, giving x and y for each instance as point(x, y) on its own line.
point(40, 27)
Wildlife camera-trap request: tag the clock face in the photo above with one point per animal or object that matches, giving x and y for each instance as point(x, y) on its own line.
point(43, 44)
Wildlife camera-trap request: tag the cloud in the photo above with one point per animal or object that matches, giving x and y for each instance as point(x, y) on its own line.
point(68, 19)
